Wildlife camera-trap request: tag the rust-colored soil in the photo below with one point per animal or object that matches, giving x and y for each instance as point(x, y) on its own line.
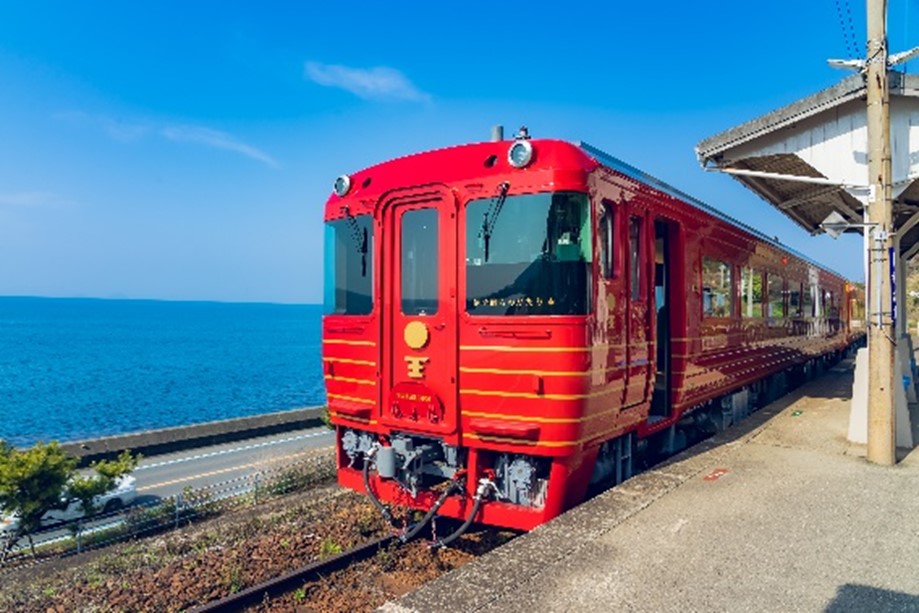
point(390, 574)
point(216, 558)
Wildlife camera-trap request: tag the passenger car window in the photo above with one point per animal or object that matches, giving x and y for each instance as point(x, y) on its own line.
point(717, 288)
point(607, 241)
point(776, 290)
point(807, 301)
point(635, 257)
point(751, 293)
point(794, 300)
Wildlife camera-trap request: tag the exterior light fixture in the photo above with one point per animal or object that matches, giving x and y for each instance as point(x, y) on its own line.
point(520, 153)
point(342, 185)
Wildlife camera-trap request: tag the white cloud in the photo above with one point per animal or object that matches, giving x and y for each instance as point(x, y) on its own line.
point(130, 131)
point(123, 131)
point(33, 199)
point(379, 83)
point(215, 139)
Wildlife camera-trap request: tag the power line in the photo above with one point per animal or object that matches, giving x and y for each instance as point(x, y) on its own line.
point(848, 33)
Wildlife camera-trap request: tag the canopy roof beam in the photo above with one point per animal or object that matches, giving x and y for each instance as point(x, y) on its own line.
point(781, 177)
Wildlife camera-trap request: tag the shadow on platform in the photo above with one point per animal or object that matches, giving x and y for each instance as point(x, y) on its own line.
point(850, 597)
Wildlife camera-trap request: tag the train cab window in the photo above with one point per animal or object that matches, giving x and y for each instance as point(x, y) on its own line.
point(717, 288)
point(751, 293)
point(529, 255)
point(419, 261)
point(776, 293)
point(635, 257)
point(606, 239)
point(348, 274)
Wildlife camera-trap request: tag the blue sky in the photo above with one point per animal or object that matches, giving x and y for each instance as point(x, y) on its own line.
point(184, 150)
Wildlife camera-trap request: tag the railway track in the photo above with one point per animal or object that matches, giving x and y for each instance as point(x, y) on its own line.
point(287, 582)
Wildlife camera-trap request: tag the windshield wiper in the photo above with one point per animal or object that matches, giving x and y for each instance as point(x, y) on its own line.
point(491, 215)
point(358, 237)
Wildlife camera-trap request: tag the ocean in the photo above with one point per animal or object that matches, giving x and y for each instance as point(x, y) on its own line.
point(75, 368)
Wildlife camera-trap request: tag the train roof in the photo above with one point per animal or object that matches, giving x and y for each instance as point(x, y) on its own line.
point(614, 163)
point(464, 162)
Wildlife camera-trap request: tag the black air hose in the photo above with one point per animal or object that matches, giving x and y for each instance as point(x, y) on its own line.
point(479, 496)
point(376, 502)
point(430, 514)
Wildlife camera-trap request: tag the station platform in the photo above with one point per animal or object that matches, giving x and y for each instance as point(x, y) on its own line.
point(778, 513)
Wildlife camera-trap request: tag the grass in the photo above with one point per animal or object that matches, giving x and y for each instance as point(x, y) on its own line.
point(328, 547)
point(193, 505)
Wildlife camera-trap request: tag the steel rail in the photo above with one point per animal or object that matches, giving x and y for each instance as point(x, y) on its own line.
point(284, 583)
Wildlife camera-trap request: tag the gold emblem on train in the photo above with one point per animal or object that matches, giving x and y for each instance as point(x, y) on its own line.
point(416, 366)
point(416, 335)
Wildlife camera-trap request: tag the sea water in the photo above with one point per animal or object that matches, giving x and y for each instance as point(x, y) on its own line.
point(74, 368)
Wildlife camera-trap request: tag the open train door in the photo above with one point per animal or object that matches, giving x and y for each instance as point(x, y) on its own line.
point(418, 379)
point(664, 311)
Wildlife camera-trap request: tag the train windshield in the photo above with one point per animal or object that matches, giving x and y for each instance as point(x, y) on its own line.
point(348, 270)
point(528, 255)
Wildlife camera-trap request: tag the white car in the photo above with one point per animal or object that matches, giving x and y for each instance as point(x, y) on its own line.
point(123, 494)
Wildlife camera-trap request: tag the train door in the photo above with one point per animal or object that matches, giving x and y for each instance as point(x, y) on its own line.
point(418, 378)
point(663, 312)
point(638, 357)
point(612, 307)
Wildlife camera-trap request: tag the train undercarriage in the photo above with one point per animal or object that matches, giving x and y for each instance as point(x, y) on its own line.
point(521, 491)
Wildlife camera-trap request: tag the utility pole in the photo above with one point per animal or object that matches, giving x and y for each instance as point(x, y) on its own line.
point(881, 333)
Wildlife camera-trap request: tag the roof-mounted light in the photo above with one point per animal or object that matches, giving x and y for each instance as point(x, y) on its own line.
point(342, 185)
point(520, 153)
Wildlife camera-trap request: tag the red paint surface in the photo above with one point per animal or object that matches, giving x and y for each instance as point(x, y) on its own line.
point(554, 386)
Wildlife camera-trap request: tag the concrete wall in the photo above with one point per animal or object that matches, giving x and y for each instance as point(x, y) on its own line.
point(168, 440)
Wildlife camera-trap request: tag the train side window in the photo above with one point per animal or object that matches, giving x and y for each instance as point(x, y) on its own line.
point(419, 262)
point(776, 293)
point(807, 303)
point(830, 309)
point(794, 299)
point(635, 257)
point(751, 293)
point(607, 241)
point(717, 288)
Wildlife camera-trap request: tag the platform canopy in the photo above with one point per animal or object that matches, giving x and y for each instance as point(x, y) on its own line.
point(810, 159)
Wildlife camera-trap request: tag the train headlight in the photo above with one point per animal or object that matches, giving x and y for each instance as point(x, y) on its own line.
point(342, 185)
point(520, 153)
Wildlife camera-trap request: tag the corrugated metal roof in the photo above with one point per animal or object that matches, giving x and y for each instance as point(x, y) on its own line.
point(850, 88)
point(751, 146)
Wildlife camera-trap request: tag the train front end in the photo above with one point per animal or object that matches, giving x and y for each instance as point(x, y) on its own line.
point(458, 288)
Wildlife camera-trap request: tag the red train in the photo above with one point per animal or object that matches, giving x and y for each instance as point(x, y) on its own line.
point(509, 323)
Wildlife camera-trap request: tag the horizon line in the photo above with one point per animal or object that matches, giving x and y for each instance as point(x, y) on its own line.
point(130, 299)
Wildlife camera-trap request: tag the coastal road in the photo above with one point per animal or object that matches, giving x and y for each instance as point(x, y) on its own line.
point(166, 475)
point(227, 468)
